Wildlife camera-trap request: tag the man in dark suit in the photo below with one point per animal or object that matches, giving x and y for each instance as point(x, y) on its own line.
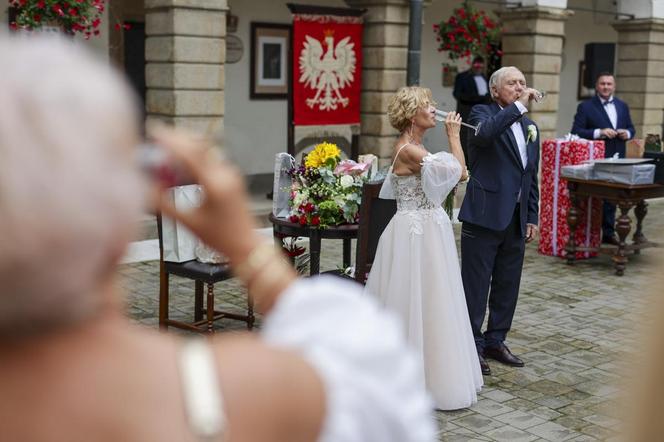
point(605, 117)
point(470, 88)
point(500, 211)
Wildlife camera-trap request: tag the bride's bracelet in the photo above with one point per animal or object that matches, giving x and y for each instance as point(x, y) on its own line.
point(257, 259)
point(269, 276)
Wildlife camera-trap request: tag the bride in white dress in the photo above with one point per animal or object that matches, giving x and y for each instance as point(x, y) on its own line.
point(416, 269)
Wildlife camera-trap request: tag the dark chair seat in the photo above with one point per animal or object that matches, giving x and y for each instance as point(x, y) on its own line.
point(200, 271)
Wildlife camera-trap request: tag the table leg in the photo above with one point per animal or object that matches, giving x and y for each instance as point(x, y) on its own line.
point(641, 210)
point(314, 252)
point(572, 220)
point(623, 226)
point(346, 253)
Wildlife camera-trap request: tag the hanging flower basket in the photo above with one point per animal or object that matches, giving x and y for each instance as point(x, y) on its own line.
point(72, 17)
point(468, 32)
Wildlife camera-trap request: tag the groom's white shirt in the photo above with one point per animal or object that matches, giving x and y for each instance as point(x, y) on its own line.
point(518, 134)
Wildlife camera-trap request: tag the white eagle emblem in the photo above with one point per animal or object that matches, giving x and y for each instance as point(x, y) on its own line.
point(327, 73)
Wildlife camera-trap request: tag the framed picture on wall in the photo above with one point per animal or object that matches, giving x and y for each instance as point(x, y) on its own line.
point(583, 92)
point(270, 46)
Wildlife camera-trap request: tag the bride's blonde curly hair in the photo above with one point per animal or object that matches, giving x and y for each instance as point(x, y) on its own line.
point(405, 103)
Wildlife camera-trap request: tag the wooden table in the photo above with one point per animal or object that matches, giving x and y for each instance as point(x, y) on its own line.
point(283, 227)
point(626, 197)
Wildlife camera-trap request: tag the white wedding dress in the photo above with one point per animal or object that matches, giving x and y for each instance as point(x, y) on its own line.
point(416, 274)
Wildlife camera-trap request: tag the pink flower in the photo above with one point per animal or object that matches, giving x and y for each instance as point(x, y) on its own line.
point(350, 167)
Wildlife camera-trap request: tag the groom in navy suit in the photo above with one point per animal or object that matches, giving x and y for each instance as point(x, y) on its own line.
point(605, 117)
point(499, 212)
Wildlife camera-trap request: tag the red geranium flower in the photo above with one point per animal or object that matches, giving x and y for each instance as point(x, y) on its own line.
point(468, 31)
point(315, 220)
point(303, 220)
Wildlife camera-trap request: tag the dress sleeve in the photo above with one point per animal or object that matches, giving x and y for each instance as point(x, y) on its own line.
point(387, 189)
point(374, 390)
point(440, 173)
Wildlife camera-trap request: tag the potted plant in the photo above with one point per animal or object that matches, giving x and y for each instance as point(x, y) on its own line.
point(71, 17)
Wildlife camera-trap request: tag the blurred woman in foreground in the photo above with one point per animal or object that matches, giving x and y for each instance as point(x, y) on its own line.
point(328, 364)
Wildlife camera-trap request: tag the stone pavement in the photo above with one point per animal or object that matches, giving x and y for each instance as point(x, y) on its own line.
point(573, 327)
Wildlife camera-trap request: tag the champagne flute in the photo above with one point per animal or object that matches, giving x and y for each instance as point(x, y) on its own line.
point(540, 95)
point(441, 114)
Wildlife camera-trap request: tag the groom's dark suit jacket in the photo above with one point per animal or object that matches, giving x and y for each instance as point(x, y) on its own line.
point(498, 178)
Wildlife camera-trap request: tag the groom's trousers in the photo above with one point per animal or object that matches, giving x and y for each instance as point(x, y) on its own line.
point(491, 264)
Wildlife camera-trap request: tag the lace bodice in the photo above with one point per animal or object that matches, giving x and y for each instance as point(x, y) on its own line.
point(409, 193)
point(420, 197)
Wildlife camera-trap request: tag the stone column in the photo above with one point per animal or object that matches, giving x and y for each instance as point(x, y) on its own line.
point(640, 72)
point(384, 60)
point(185, 50)
point(533, 42)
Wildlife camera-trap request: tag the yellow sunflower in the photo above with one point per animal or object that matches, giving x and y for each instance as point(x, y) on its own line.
point(321, 154)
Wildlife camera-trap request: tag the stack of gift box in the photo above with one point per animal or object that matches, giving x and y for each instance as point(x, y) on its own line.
point(555, 201)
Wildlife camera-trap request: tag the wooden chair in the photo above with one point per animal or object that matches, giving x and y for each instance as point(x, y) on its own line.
point(375, 214)
point(204, 276)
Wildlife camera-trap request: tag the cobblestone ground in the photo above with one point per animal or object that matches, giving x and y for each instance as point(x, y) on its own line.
point(573, 327)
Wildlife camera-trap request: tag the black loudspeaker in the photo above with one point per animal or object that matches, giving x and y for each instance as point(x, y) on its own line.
point(598, 57)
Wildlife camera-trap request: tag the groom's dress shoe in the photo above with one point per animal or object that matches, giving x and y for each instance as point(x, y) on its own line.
point(504, 355)
point(484, 365)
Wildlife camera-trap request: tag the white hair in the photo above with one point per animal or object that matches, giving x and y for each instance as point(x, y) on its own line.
point(496, 78)
point(69, 190)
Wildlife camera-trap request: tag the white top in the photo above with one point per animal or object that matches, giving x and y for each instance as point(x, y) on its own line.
point(440, 172)
point(203, 401)
point(481, 85)
point(517, 130)
point(372, 379)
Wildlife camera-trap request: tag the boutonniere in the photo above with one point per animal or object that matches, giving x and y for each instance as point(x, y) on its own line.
point(532, 133)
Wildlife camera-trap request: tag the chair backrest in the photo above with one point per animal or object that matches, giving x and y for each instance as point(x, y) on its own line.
point(375, 214)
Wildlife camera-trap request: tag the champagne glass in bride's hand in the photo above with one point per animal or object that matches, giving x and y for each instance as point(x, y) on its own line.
point(440, 116)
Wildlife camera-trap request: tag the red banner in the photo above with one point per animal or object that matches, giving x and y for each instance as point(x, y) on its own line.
point(327, 66)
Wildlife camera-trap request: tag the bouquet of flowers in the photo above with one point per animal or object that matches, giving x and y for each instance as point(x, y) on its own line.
point(82, 16)
point(468, 32)
point(326, 191)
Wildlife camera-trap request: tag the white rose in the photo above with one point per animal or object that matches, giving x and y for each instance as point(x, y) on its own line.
point(346, 181)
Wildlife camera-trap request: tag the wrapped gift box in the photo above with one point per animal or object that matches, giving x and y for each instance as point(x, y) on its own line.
point(555, 202)
point(580, 171)
point(625, 170)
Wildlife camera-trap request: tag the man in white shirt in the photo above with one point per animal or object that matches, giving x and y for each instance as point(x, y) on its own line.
point(470, 88)
point(605, 117)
